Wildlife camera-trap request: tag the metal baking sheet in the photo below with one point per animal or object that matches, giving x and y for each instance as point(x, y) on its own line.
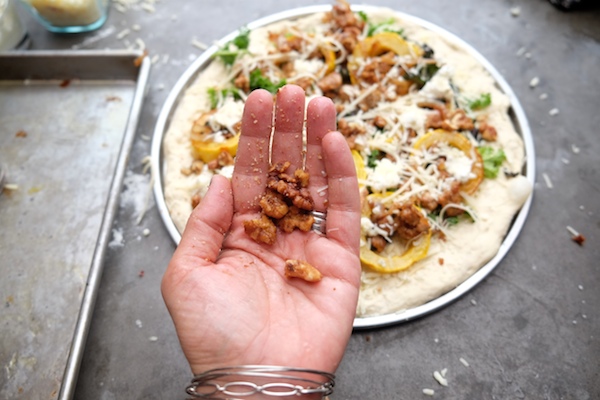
point(516, 112)
point(67, 123)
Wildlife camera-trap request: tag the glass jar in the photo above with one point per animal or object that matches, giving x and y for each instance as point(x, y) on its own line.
point(69, 16)
point(12, 32)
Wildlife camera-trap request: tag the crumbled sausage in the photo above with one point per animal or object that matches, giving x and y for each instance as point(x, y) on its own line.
point(378, 243)
point(451, 196)
point(405, 220)
point(303, 270)
point(379, 122)
point(377, 69)
point(411, 222)
point(487, 131)
point(242, 81)
point(330, 83)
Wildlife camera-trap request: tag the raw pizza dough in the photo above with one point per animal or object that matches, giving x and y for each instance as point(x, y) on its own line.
point(466, 246)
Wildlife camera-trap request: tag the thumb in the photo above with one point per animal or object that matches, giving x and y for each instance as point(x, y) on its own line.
point(203, 236)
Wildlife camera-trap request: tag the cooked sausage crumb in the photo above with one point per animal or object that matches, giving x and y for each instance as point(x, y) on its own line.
point(579, 239)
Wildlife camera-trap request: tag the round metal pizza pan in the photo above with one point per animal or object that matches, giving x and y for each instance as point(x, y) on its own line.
point(517, 115)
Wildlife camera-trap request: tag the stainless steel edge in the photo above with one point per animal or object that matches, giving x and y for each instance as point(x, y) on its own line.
point(84, 319)
point(519, 119)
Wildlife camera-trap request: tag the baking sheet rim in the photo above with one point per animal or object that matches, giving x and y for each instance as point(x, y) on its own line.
point(519, 119)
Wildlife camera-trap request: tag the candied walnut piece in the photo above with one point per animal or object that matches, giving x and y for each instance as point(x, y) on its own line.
point(296, 219)
point(303, 270)
point(285, 204)
point(196, 199)
point(222, 160)
point(195, 168)
point(261, 230)
point(273, 204)
point(302, 177)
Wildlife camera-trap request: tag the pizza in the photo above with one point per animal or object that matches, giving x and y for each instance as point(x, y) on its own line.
point(438, 158)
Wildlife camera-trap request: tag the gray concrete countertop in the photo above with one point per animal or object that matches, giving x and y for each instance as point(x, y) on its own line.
point(530, 330)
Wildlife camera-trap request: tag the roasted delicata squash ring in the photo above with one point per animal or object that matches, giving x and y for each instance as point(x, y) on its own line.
point(417, 250)
point(208, 151)
point(460, 142)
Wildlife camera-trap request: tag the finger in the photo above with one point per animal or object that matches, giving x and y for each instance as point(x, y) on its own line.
point(343, 211)
point(320, 120)
point(202, 238)
point(289, 121)
point(252, 159)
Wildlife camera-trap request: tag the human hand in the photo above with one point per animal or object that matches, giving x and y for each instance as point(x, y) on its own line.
point(227, 294)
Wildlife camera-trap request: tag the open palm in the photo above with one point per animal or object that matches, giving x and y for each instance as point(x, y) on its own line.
point(228, 296)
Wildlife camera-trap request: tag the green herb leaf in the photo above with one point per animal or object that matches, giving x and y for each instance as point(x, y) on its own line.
point(363, 15)
point(240, 44)
point(215, 96)
point(373, 158)
point(492, 160)
point(482, 101)
point(452, 220)
point(385, 26)
point(422, 75)
point(242, 41)
point(259, 81)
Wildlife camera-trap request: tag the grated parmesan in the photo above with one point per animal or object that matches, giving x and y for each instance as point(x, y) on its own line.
point(440, 378)
point(547, 180)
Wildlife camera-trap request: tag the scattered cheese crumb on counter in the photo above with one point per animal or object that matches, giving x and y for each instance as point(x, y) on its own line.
point(440, 379)
point(148, 7)
point(464, 362)
point(534, 82)
point(574, 149)
point(123, 33)
point(146, 232)
point(11, 186)
point(543, 96)
point(118, 240)
point(138, 323)
point(554, 111)
point(565, 161)
point(153, 338)
point(547, 180)
point(429, 392)
point(199, 44)
point(515, 11)
point(521, 51)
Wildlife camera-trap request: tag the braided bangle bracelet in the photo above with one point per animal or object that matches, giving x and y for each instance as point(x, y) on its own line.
point(275, 381)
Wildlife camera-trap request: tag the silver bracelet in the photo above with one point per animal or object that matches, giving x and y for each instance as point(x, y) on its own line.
point(275, 381)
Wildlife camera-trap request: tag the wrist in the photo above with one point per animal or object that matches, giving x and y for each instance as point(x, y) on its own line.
point(261, 382)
